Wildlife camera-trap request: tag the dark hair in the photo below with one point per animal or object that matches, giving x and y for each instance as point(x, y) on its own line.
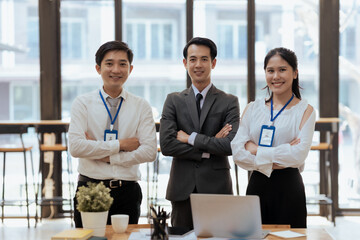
point(202, 41)
point(290, 57)
point(112, 46)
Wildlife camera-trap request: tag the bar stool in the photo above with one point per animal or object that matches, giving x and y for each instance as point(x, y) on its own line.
point(236, 170)
point(152, 196)
point(153, 171)
point(326, 168)
point(16, 131)
point(60, 145)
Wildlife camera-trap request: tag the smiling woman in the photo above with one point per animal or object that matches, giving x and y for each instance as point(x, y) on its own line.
point(279, 75)
point(275, 147)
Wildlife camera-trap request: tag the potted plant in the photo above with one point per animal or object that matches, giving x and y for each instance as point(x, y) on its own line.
point(94, 202)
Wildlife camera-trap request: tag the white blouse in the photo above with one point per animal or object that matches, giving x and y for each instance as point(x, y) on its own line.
point(287, 128)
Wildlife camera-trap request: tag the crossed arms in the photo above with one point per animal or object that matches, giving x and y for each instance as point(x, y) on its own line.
point(175, 129)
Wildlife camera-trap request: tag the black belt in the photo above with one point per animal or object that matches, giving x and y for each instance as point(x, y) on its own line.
point(110, 183)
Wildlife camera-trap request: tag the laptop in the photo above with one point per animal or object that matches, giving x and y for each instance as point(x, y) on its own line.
point(227, 216)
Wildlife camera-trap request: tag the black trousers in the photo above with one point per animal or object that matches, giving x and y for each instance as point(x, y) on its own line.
point(127, 200)
point(282, 197)
point(181, 215)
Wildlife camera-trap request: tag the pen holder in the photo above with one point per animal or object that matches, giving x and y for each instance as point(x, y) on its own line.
point(159, 230)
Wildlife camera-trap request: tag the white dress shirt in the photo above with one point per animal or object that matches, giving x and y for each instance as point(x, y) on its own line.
point(191, 139)
point(135, 119)
point(287, 128)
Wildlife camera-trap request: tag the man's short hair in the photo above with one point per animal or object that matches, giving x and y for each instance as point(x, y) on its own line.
point(113, 46)
point(201, 41)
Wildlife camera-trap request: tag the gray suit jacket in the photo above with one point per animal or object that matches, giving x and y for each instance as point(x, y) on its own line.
point(189, 169)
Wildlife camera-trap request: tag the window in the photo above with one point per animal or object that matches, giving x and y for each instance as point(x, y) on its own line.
point(348, 43)
point(32, 33)
point(349, 108)
point(73, 45)
point(19, 60)
point(25, 101)
point(74, 25)
point(33, 39)
point(159, 35)
point(232, 39)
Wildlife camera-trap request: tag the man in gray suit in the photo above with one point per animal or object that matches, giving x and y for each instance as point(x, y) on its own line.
point(196, 129)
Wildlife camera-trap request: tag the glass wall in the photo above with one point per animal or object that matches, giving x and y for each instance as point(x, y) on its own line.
point(156, 31)
point(19, 86)
point(85, 25)
point(349, 108)
point(19, 60)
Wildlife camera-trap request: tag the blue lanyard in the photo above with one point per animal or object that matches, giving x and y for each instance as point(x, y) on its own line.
point(273, 118)
point(112, 120)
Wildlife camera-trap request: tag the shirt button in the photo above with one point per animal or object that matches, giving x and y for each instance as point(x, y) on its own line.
point(197, 165)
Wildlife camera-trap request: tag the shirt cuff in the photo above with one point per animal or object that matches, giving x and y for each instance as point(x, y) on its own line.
point(114, 146)
point(114, 159)
point(114, 149)
point(205, 155)
point(191, 139)
point(264, 160)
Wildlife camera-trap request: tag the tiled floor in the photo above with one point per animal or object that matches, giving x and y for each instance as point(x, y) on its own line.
point(14, 229)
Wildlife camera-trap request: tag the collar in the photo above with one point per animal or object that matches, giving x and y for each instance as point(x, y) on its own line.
point(123, 94)
point(204, 92)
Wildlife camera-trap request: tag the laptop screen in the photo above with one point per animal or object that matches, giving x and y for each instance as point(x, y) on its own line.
point(219, 215)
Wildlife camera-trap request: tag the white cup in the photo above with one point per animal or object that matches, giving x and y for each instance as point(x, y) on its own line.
point(119, 222)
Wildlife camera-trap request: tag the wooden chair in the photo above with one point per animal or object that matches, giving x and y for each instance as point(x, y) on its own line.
point(15, 132)
point(60, 145)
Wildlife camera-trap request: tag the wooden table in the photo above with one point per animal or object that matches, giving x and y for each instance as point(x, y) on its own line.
point(311, 233)
point(35, 123)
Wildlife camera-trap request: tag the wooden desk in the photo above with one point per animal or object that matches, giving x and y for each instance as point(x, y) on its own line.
point(328, 120)
point(35, 123)
point(311, 233)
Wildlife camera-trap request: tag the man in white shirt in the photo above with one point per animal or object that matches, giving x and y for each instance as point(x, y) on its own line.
point(111, 132)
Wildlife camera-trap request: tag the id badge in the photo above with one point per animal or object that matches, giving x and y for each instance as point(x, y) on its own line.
point(266, 136)
point(110, 135)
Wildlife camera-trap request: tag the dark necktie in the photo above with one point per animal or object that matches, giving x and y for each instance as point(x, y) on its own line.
point(198, 99)
point(113, 102)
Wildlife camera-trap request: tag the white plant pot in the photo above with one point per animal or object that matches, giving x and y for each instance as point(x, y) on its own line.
point(96, 221)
